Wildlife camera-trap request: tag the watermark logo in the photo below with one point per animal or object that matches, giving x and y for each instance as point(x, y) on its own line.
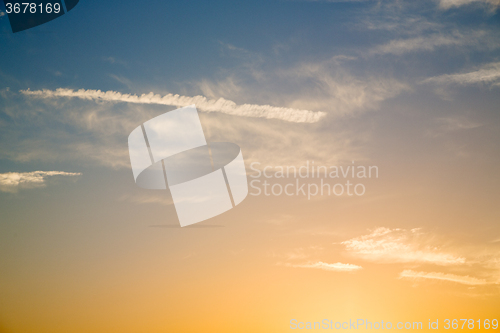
point(204, 179)
point(310, 180)
point(24, 15)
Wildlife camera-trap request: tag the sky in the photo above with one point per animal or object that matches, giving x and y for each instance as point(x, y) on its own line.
point(411, 88)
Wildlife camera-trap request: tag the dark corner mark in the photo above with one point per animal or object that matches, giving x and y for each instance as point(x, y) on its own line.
point(26, 15)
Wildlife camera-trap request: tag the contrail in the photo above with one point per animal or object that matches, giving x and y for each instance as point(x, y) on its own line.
point(202, 103)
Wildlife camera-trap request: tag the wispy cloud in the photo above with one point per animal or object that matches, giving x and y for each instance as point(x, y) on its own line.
point(114, 60)
point(433, 41)
point(468, 280)
point(337, 267)
point(446, 125)
point(326, 85)
point(398, 22)
point(13, 181)
point(415, 247)
point(123, 80)
point(400, 246)
point(447, 4)
point(331, 87)
point(488, 74)
point(451, 124)
point(300, 253)
point(141, 199)
point(201, 102)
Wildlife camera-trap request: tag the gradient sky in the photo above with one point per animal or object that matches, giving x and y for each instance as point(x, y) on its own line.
point(412, 87)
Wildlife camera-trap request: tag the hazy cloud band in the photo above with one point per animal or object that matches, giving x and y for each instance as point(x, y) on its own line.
point(12, 181)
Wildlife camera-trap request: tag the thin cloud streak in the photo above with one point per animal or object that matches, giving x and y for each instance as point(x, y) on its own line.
point(140, 199)
point(479, 39)
point(401, 46)
point(12, 181)
point(399, 246)
point(488, 74)
point(471, 281)
point(447, 4)
point(336, 267)
point(201, 102)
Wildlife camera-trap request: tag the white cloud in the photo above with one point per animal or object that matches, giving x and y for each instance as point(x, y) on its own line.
point(337, 267)
point(12, 181)
point(400, 246)
point(472, 281)
point(202, 103)
point(447, 4)
point(488, 74)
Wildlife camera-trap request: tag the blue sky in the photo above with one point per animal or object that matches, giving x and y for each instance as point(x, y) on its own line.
point(165, 43)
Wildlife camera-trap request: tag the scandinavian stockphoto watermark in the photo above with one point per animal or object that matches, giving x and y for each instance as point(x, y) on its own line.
point(170, 152)
point(355, 324)
point(311, 180)
point(365, 324)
